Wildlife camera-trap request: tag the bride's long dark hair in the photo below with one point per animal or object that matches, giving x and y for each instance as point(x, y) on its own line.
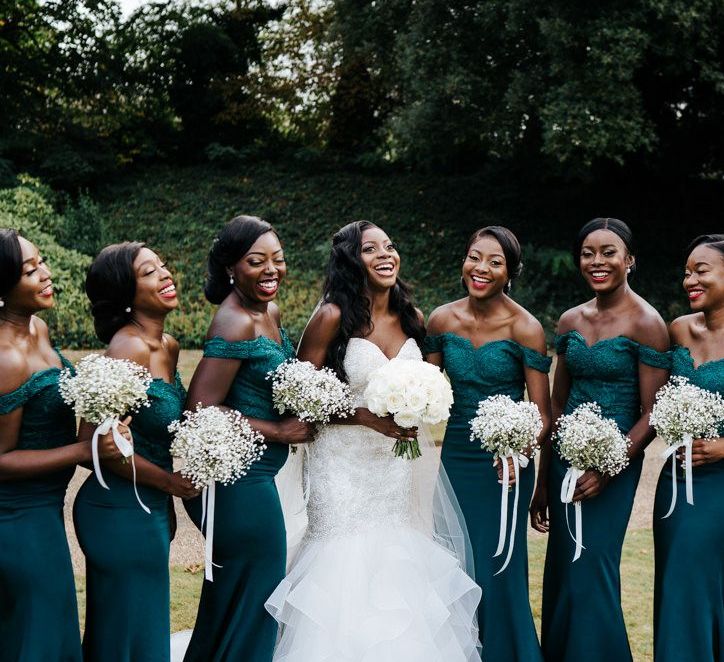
point(346, 286)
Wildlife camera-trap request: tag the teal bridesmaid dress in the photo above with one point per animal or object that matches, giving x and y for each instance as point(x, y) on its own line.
point(689, 578)
point(507, 631)
point(249, 535)
point(582, 617)
point(38, 610)
point(127, 549)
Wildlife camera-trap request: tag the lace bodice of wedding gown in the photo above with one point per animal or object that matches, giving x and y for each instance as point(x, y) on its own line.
point(355, 480)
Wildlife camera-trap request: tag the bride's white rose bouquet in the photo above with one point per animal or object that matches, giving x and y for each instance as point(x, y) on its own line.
point(216, 446)
point(102, 391)
point(588, 441)
point(507, 429)
point(684, 412)
point(413, 392)
point(311, 394)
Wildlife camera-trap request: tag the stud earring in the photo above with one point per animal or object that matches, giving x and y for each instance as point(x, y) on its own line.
point(128, 309)
point(2, 303)
point(628, 270)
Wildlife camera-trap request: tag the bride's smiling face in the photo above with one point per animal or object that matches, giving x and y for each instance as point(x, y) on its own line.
point(380, 258)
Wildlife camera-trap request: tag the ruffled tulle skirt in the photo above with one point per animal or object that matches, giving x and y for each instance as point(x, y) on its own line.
point(386, 594)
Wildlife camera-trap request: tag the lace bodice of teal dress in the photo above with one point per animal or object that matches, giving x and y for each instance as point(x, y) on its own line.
point(47, 423)
point(151, 438)
point(607, 372)
point(708, 375)
point(251, 392)
point(495, 368)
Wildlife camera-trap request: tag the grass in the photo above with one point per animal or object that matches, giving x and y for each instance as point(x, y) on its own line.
point(637, 578)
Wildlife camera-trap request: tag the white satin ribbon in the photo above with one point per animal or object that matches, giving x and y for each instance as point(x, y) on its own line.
point(568, 487)
point(671, 451)
point(519, 462)
point(208, 507)
point(123, 445)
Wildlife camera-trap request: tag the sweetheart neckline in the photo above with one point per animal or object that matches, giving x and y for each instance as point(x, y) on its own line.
point(379, 349)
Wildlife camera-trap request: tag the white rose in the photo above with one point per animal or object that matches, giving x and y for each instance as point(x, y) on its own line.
point(436, 412)
point(407, 419)
point(376, 404)
point(395, 401)
point(416, 397)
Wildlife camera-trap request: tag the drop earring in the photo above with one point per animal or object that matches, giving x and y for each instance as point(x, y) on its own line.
point(2, 303)
point(231, 280)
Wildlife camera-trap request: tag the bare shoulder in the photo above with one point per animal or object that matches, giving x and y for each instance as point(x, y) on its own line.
point(172, 346)
point(571, 319)
point(649, 327)
point(528, 331)
point(444, 317)
point(232, 323)
point(15, 368)
point(681, 329)
point(326, 319)
point(275, 313)
point(40, 327)
point(420, 316)
point(127, 344)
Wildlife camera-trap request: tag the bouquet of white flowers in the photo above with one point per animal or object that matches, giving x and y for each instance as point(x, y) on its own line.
point(684, 412)
point(587, 441)
point(215, 445)
point(412, 391)
point(310, 394)
point(506, 429)
point(102, 391)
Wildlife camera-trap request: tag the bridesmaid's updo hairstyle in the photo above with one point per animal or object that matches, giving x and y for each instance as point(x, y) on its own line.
point(346, 286)
point(11, 261)
point(614, 225)
point(111, 287)
point(231, 244)
point(511, 249)
point(715, 241)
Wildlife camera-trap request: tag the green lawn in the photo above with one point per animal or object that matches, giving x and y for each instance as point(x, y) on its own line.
point(637, 582)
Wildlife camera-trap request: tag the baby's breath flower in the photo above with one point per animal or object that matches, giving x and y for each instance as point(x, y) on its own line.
point(311, 394)
point(105, 388)
point(216, 445)
point(504, 426)
point(587, 440)
point(684, 409)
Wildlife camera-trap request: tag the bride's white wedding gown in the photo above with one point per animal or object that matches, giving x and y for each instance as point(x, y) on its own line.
point(370, 582)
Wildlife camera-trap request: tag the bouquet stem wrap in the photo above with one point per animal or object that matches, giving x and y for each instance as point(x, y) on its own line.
point(568, 487)
point(686, 443)
point(208, 507)
point(520, 461)
point(123, 445)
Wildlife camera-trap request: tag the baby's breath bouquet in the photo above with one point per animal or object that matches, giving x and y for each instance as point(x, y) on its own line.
point(216, 446)
point(684, 412)
point(414, 392)
point(311, 394)
point(507, 429)
point(588, 441)
point(102, 391)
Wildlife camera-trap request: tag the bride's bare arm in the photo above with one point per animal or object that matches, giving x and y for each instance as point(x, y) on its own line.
point(316, 340)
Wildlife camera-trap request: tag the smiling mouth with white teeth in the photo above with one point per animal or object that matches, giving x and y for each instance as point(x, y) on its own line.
point(479, 282)
point(47, 291)
point(599, 276)
point(694, 294)
point(168, 292)
point(386, 269)
point(268, 286)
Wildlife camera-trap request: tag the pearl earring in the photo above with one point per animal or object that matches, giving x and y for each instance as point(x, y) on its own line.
point(128, 309)
point(231, 280)
point(628, 270)
point(2, 303)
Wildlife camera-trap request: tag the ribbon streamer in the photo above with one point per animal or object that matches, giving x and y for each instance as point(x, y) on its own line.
point(671, 451)
point(519, 462)
point(208, 507)
point(123, 445)
point(568, 487)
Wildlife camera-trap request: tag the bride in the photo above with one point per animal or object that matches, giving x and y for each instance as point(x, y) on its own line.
point(379, 574)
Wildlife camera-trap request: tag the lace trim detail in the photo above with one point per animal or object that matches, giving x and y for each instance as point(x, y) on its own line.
point(433, 344)
point(652, 357)
point(218, 348)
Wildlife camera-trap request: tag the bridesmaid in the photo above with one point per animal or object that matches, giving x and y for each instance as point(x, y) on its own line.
point(489, 345)
point(688, 602)
point(127, 607)
point(38, 454)
point(612, 351)
point(245, 341)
